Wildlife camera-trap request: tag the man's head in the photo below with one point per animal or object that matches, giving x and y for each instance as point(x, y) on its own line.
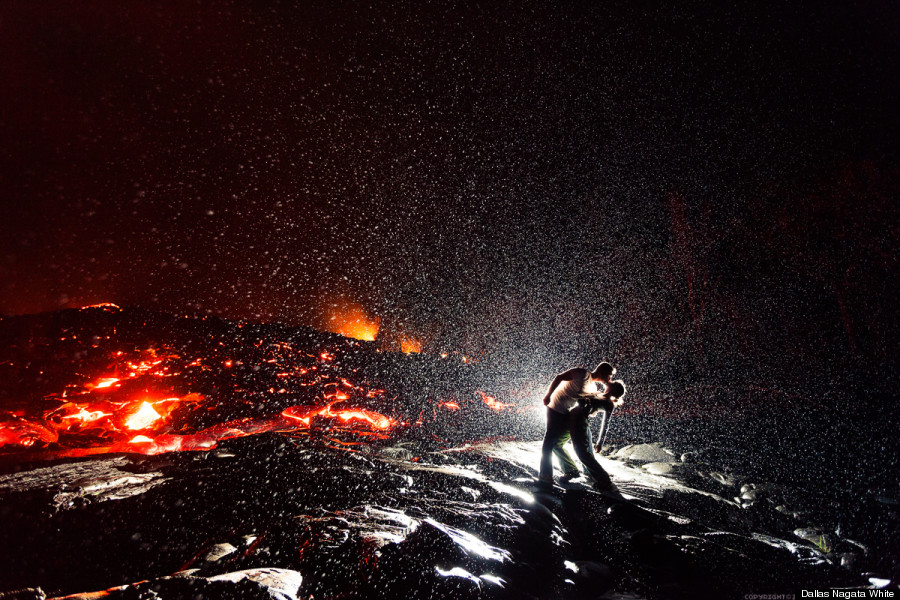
point(603, 372)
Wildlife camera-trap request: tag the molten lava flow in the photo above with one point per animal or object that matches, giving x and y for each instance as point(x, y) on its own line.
point(306, 414)
point(104, 383)
point(19, 432)
point(350, 320)
point(86, 416)
point(143, 418)
point(123, 408)
point(450, 405)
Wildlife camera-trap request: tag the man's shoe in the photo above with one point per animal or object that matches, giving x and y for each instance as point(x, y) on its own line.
point(567, 477)
point(543, 484)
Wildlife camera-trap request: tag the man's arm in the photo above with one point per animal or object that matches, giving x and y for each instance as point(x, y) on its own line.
point(566, 376)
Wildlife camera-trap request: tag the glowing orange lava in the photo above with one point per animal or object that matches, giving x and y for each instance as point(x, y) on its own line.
point(306, 414)
point(143, 418)
point(106, 382)
point(85, 416)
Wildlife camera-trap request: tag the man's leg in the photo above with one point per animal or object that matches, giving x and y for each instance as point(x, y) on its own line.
point(566, 462)
point(581, 438)
point(557, 426)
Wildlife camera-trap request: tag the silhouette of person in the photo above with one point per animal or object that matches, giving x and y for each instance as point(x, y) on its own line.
point(567, 391)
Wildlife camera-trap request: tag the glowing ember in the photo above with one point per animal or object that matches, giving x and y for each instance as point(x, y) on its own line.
point(143, 418)
point(450, 405)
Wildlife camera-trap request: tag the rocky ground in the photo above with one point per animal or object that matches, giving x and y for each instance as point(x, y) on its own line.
point(147, 456)
point(272, 516)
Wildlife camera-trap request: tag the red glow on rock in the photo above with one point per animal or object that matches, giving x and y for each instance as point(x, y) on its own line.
point(492, 402)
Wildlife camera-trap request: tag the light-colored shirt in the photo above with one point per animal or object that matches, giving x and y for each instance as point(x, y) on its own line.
point(566, 394)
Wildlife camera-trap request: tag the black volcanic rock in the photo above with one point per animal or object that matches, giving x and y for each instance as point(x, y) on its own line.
point(399, 496)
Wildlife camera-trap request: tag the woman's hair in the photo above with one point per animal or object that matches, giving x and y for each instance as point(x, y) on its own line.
point(615, 389)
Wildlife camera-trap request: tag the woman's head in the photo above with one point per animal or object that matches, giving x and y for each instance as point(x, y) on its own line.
point(615, 390)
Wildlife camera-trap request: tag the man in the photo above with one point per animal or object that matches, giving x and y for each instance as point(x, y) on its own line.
point(563, 395)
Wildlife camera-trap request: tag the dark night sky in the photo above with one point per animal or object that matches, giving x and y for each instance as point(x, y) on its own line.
point(611, 175)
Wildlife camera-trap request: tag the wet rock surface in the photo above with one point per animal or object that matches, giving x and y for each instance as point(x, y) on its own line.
point(270, 516)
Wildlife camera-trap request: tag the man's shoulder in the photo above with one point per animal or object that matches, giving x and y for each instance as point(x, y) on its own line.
point(578, 371)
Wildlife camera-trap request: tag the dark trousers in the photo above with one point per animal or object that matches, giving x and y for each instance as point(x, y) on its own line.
point(554, 439)
point(560, 429)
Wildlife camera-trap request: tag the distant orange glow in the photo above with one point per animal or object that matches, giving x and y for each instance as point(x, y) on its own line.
point(410, 346)
point(351, 320)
